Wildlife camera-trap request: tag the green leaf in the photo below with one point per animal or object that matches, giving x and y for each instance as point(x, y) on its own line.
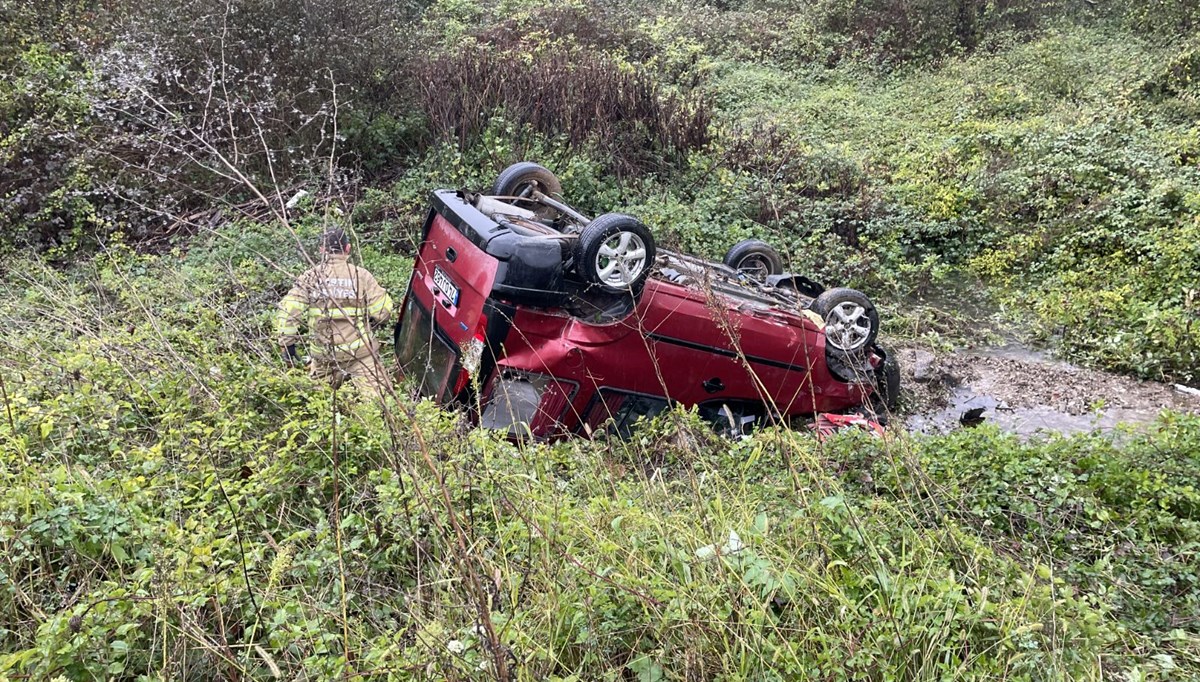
point(646, 669)
point(760, 523)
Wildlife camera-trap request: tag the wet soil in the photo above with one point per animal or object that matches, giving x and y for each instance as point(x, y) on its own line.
point(1026, 392)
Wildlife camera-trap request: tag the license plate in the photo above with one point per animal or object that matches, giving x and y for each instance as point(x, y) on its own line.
point(446, 285)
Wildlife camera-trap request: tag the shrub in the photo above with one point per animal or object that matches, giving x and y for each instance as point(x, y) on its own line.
point(896, 31)
point(1097, 514)
point(1164, 19)
point(588, 100)
point(249, 68)
point(45, 163)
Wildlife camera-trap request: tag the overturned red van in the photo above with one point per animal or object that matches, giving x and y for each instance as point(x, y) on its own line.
point(546, 323)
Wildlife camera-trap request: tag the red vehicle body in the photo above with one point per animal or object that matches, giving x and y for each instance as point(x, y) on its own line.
point(494, 319)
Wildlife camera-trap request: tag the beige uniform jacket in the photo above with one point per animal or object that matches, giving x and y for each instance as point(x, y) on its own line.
point(336, 300)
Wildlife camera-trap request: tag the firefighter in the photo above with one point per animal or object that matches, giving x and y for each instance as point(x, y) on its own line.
point(338, 302)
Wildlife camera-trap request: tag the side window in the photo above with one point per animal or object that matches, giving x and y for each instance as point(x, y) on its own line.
point(618, 411)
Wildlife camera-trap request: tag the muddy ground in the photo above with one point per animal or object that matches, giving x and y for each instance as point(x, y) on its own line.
point(1026, 392)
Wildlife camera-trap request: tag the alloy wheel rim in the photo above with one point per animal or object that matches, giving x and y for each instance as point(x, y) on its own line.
point(848, 326)
point(621, 259)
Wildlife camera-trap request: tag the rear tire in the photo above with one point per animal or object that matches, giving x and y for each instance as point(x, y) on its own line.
point(851, 321)
point(522, 179)
point(756, 259)
point(615, 253)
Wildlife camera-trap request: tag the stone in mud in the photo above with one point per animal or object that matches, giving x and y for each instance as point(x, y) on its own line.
point(924, 366)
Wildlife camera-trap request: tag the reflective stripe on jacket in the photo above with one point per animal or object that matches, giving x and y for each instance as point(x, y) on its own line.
point(336, 300)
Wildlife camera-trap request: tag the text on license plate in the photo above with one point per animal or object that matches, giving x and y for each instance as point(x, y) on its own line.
point(446, 285)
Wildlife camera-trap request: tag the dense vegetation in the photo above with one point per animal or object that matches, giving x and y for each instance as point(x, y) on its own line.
point(177, 506)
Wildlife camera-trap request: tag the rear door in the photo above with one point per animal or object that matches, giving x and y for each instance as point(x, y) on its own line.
point(443, 329)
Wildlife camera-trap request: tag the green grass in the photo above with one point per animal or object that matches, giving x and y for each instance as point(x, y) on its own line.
point(180, 506)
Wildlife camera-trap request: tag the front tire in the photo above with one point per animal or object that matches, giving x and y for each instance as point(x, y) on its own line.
point(851, 321)
point(615, 253)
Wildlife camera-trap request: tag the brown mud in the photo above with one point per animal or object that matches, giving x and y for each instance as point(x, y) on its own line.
point(1026, 392)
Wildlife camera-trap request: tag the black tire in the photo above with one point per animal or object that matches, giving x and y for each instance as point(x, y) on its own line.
point(757, 259)
point(887, 380)
point(599, 270)
point(521, 179)
point(851, 321)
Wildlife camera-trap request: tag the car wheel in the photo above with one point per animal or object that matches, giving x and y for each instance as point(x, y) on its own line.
point(757, 259)
point(615, 252)
point(851, 321)
point(522, 179)
point(887, 380)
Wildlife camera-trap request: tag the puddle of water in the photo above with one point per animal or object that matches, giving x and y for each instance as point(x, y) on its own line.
point(1026, 421)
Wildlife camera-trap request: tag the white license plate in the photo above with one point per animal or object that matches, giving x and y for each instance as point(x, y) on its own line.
point(446, 285)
